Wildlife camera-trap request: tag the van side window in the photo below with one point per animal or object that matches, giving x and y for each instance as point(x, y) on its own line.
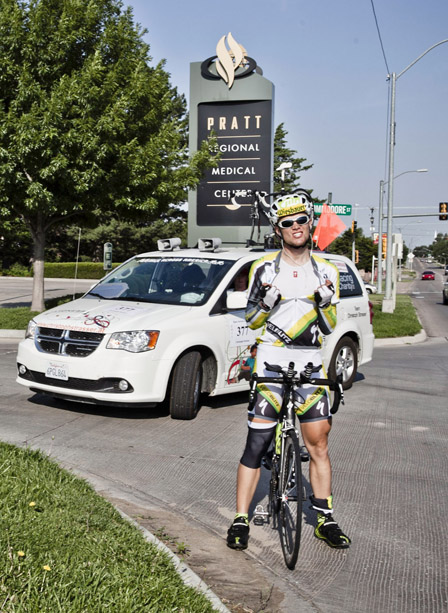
point(348, 281)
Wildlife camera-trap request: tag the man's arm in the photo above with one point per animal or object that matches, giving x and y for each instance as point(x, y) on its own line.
point(326, 296)
point(262, 299)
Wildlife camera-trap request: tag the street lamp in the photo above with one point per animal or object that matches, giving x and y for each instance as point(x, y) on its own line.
point(388, 301)
point(380, 228)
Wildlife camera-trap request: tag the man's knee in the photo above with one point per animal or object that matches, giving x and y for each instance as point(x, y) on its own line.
point(257, 443)
point(318, 451)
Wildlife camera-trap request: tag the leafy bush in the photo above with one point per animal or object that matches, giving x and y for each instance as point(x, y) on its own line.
point(18, 270)
point(66, 270)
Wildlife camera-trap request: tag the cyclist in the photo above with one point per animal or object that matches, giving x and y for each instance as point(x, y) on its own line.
point(292, 297)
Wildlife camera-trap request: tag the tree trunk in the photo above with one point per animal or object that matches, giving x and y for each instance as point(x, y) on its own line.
point(38, 234)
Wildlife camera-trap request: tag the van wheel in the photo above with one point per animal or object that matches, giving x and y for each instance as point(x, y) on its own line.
point(344, 361)
point(185, 391)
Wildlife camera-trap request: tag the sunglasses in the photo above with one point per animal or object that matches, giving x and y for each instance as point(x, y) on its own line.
point(288, 223)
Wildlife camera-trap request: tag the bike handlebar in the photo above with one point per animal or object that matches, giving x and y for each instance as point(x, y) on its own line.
point(289, 378)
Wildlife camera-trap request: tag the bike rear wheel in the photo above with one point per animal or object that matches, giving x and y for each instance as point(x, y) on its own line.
point(290, 492)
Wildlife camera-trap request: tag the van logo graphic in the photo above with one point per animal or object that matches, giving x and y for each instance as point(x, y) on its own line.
point(230, 62)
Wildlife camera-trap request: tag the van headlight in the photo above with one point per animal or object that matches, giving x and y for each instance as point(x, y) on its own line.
point(135, 341)
point(31, 329)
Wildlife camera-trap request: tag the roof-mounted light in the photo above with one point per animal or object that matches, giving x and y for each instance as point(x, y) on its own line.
point(209, 244)
point(168, 244)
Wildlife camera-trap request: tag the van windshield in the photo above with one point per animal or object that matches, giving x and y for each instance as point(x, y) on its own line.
point(163, 280)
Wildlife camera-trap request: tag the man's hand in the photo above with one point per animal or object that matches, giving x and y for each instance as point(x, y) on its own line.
point(270, 296)
point(324, 294)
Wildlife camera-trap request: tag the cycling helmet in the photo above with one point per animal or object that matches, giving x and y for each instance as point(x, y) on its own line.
point(299, 202)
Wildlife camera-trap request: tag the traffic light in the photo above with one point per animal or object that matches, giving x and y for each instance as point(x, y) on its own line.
point(354, 224)
point(356, 256)
point(443, 211)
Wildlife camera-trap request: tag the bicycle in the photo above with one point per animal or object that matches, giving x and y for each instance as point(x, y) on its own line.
point(285, 487)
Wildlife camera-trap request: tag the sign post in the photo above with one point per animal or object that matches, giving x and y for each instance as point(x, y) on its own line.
point(107, 256)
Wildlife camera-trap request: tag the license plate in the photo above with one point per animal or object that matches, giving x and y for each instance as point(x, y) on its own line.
point(57, 371)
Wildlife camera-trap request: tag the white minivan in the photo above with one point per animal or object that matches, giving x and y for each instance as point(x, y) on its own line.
point(169, 324)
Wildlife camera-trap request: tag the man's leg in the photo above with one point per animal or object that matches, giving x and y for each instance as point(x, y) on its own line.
point(259, 437)
point(315, 436)
point(246, 484)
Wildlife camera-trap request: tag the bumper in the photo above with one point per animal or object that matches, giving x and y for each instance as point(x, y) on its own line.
point(96, 378)
point(368, 341)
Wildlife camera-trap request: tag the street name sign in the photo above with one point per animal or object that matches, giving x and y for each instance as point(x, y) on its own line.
point(339, 209)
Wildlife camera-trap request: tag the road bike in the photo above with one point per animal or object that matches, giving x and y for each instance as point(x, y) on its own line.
point(286, 492)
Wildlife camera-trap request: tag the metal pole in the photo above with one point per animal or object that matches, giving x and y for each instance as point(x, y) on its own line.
point(388, 302)
point(390, 191)
point(379, 280)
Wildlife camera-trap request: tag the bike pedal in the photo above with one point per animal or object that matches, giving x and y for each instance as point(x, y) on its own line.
point(304, 455)
point(259, 515)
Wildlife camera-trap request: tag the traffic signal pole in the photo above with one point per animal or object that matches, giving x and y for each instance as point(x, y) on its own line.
point(354, 224)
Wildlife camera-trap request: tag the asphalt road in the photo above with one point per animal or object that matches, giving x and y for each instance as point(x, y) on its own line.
point(389, 454)
point(427, 298)
point(17, 291)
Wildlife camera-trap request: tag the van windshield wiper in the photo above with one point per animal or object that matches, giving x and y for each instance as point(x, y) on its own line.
point(97, 295)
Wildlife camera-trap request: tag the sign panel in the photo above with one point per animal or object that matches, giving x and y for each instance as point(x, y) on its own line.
point(244, 134)
point(339, 209)
point(376, 237)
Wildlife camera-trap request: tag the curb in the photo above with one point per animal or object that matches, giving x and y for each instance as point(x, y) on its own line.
point(189, 577)
point(401, 340)
point(13, 334)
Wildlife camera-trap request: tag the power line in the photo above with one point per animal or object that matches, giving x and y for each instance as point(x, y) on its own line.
point(379, 36)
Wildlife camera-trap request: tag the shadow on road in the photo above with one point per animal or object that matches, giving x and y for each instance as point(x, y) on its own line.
point(161, 410)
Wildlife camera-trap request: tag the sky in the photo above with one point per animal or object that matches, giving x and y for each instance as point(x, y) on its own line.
point(327, 65)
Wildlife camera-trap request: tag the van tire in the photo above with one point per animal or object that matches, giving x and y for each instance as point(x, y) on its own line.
point(344, 361)
point(185, 391)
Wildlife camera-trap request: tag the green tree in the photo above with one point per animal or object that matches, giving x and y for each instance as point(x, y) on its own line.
point(127, 238)
point(15, 244)
point(440, 248)
point(86, 124)
point(282, 153)
point(364, 245)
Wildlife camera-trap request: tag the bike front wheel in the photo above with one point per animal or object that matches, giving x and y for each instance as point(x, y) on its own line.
point(290, 494)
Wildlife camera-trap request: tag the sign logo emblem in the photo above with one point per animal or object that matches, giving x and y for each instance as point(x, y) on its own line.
point(230, 63)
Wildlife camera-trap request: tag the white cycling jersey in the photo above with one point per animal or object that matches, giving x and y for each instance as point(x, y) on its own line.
point(296, 321)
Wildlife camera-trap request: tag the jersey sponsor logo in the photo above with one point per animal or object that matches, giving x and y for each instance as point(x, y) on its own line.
point(263, 406)
point(279, 333)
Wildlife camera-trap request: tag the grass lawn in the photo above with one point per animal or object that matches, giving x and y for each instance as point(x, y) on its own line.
point(402, 322)
point(18, 318)
point(15, 319)
point(64, 548)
